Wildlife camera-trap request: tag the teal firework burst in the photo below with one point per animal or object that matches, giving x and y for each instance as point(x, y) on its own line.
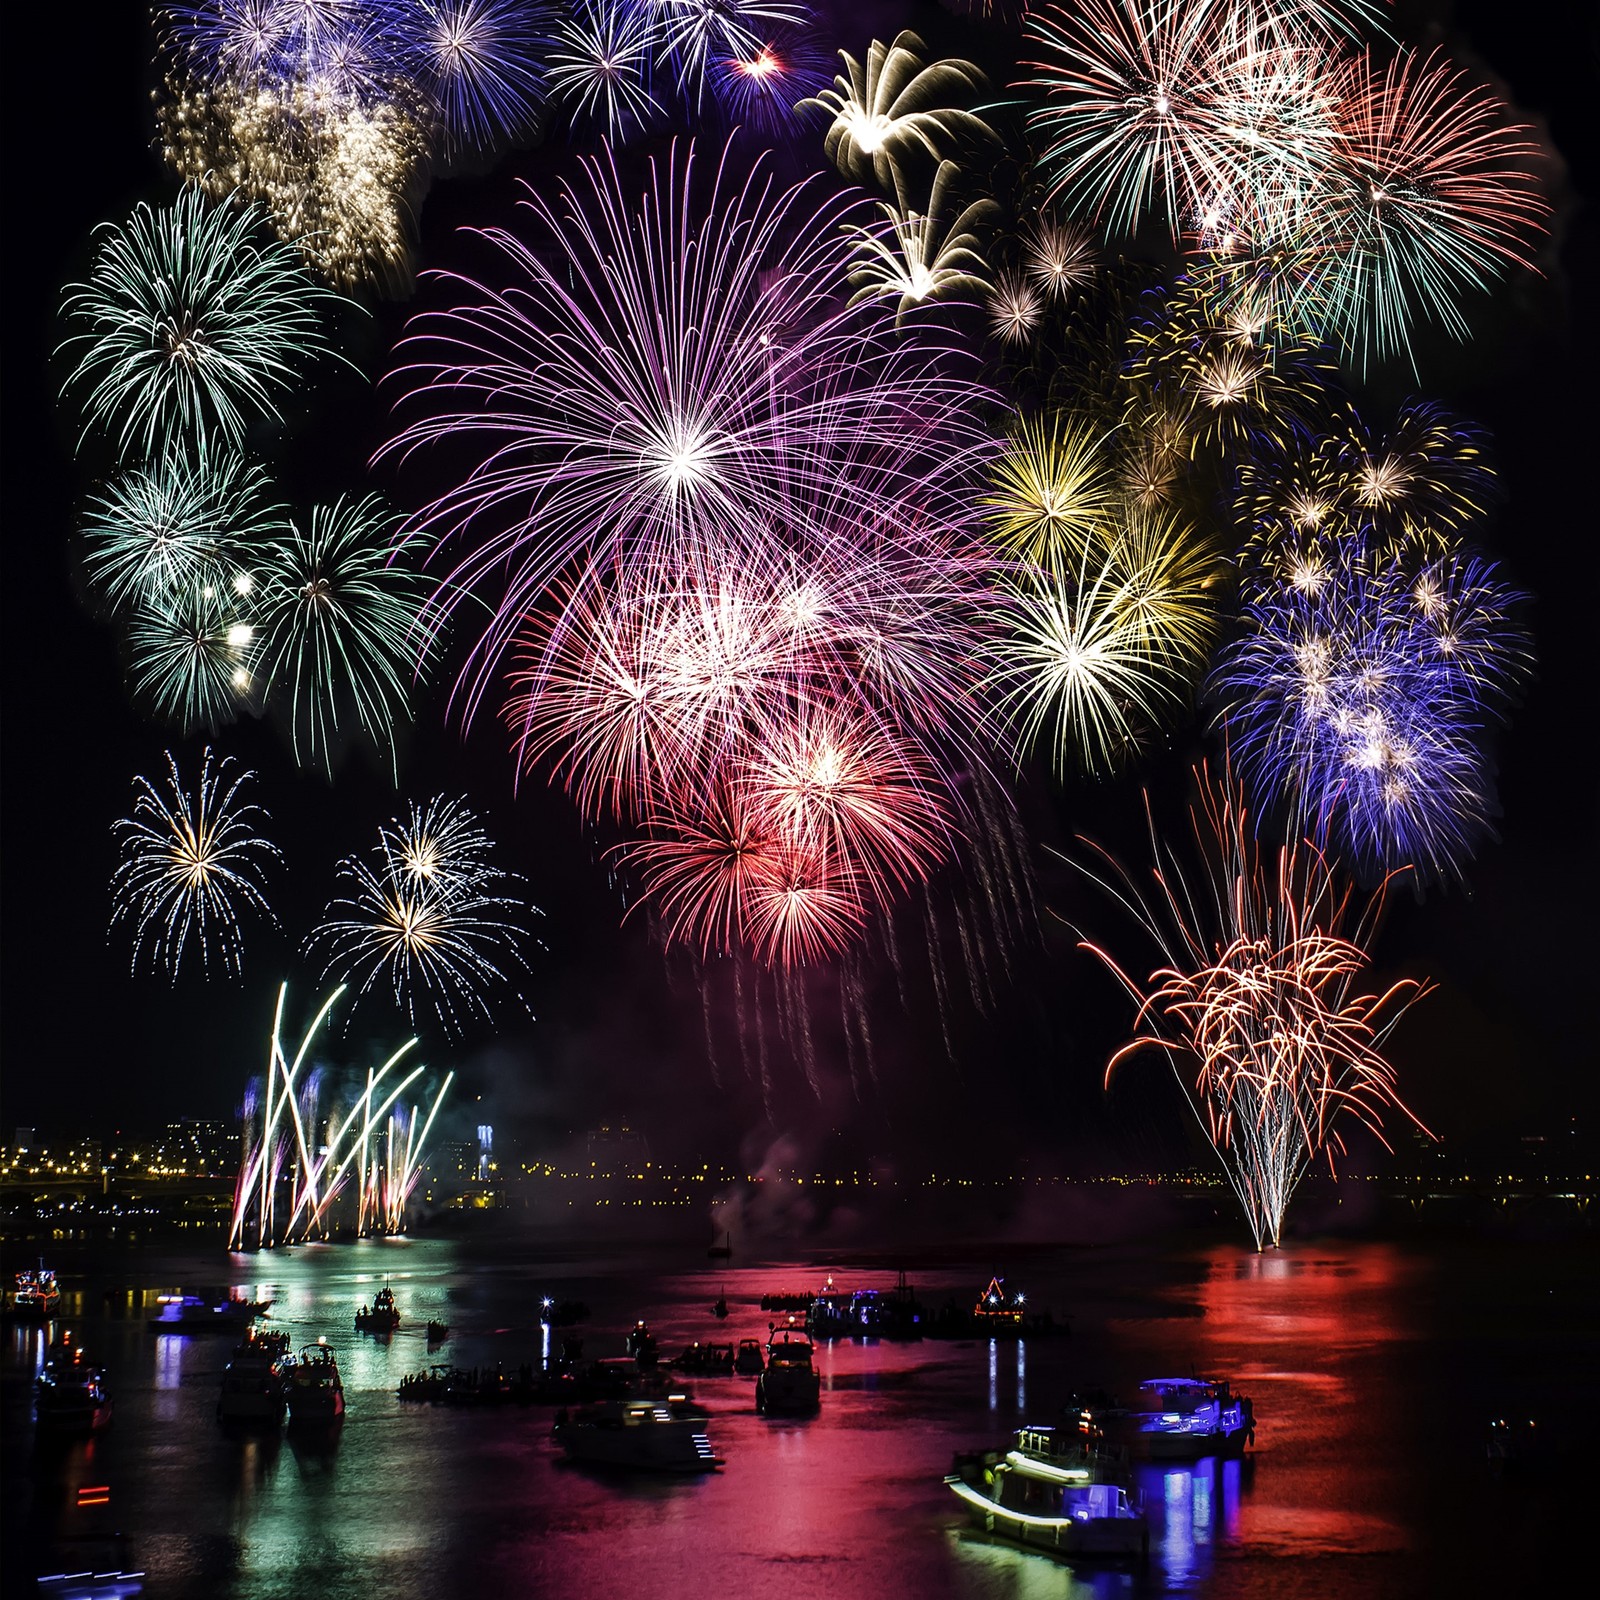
point(193, 323)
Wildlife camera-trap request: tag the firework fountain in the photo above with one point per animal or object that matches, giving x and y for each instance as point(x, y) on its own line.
point(314, 1164)
point(1261, 955)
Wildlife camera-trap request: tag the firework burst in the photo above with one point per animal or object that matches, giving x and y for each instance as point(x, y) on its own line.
point(191, 860)
point(1362, 693)
point(190, 325)
point(338, 635)
point(894, 103)
point(427, 912)
point(183, 521)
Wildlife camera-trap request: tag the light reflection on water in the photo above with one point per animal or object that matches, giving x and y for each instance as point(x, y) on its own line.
point(1355, 1354)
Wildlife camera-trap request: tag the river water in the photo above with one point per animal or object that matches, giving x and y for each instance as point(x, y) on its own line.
point(1375, 1369)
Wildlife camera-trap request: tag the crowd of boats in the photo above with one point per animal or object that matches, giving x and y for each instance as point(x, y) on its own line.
point(1066, 1487)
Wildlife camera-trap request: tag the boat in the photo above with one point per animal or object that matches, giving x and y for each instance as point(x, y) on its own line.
point(313, 1388)
point(193, 1313)
point(996, 1315)
point(719, 1307)
point(35, 1294)
point(749, 1362)
point(723, 1251)
point(438, 1332)
point(706, 1360)
point(72, 1397)
point(642, 1344)
point(653, 1435)
point(382, 1316)
point(790, 1386)
point(1179, 1419)
point(252, 1382)
point(1051, 1492)
point(866, 1313)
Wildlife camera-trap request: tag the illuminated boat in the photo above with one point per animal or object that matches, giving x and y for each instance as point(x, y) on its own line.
point(790, 1386)
point(252, 1382)
point(1181, 1419)
point(193, 1313)
point(35, 1295)
point(313, 1388)
point(72, 1393)
point(1049, 1494)
point(382, 1316)
point(866, 1313)
point(652, 1435)
point(641, 1344)
point(749, 1362)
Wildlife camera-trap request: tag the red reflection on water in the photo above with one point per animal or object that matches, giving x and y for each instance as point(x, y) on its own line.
point(1310, 1334)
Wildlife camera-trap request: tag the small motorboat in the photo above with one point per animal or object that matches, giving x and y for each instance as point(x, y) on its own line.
point(313, 1389)
point(253, 1383)
point(438, 1332)
point(654, 1435)
point(72, 1396)
point(749, 1362)
point(790, 1387)
point(194, 1313)
point(1052, 1492)
point(707, 1360)
point(719, 1307)
point(382, 1316)
point(35, 1294)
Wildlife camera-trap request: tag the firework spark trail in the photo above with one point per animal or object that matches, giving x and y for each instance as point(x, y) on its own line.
point(1261, 954)
point(190, 861)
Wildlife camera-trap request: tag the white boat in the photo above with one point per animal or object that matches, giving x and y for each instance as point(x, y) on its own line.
point(653, 1435)
point(313, 1389)
point(1048, 1495)
point(790, 1386)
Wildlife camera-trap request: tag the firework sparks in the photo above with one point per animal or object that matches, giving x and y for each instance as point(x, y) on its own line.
point(1256, 1000)
point(429, 912)
point(338, 628)
point(894, 102)
point(189, 325)
point(190, 862)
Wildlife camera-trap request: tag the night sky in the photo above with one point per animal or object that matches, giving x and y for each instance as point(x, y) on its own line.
point(1505, 1045)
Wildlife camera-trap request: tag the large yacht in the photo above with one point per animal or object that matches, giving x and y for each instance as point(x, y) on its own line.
point(1050, 1493)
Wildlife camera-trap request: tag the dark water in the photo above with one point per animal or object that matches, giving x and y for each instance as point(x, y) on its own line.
point(1375, 1369)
